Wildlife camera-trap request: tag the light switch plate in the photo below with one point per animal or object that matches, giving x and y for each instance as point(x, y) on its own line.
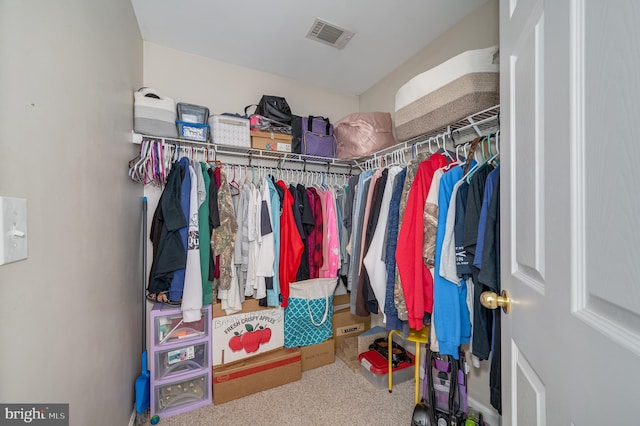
point(13, 219)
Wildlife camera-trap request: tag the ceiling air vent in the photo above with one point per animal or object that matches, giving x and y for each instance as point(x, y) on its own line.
point(329, 34)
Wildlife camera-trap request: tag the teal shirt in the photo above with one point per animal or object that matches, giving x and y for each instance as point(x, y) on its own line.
point(273, 294)
point(205, 240)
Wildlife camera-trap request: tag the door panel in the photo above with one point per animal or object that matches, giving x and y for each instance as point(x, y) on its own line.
point(570, 211)
point(527, 194)
point(603, 168)
point(530, 391)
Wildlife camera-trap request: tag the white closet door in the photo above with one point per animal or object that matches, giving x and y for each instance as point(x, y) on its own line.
point(570, 211)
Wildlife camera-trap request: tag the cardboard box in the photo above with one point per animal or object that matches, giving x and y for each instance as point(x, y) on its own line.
point(341, 301)
point(347, 325)
point(348, 353)
point(368, 337)
point(262, 372)
point(253, 331)
point(318, 355)
point(249, 305)
point(271, 141)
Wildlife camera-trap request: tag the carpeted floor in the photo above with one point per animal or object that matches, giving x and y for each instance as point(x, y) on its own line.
point(329, 395)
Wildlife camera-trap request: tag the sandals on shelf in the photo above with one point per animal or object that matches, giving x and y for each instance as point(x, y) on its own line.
point(398, 353)
point(162, 298)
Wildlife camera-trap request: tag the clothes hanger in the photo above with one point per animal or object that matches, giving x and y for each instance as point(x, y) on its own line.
point(444, 147)
point(469, 174)
point(233, 185)
point(246, 181)
point(146, 169)
point(134, 165)
point(450, 160)
point(154, 163)
point(493, 160)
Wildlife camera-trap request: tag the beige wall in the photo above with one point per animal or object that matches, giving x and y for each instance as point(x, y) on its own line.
point(70, 317)
point(224, 87)
point(477, 30)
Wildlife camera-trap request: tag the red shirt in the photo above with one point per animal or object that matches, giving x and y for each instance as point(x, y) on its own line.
point(416, 279)
point(291, 246)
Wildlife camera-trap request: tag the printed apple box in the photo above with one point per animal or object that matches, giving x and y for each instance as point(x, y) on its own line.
point(243, 335)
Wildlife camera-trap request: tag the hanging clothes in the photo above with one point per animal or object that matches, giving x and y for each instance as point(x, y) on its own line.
point(374, 259)
point(415, 278)
point(448, 255)
point(214, 221)
point(168, 248)
point(391, 313)
point(412, 168)
point(356, 233)
point(450, 307)
point(364, 204)
point(266, 242)
point(291, 246)
point(490, 276)
point(273, 285)
point(371, 304)
point(308, 224)
point(331, 243)
point(341, 197)
point(472, 224)
point(204, 234)
point(252, 287)
point(177, 283)
point(192, 293)
point(314, 238)
point(429, 246)
point(223, 243)
point(241, 252)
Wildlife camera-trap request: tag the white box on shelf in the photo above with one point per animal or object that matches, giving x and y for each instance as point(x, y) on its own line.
point(227, 130)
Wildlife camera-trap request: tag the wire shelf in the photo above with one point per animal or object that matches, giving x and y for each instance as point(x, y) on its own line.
point(214, 150)
point(462, 131)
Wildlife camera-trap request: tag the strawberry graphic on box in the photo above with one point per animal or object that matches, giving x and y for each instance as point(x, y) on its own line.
point(250, 340)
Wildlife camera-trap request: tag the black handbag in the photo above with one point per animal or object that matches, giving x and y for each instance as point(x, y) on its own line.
point(274, 108)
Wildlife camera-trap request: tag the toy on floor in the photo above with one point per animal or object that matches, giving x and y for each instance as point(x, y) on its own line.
point(154, 420)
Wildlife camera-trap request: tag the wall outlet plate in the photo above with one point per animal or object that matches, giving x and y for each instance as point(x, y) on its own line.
point(13, 220)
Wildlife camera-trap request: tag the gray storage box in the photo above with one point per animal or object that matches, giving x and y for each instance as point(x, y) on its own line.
point(154, 114)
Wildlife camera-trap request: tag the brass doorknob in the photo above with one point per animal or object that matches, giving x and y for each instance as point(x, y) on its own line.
point(490, 300)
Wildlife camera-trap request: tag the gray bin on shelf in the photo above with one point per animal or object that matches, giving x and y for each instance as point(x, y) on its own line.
point(154, 114)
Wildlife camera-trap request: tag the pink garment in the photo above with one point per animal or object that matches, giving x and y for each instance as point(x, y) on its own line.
point(325, 261)
point(332, 246)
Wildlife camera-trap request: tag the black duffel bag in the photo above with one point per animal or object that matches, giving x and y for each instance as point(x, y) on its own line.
point(274, 108)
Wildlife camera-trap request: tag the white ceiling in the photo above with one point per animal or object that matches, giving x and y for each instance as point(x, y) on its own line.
point(270, 35)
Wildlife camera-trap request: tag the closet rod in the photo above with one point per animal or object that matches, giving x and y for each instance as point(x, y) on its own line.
point(286, 169)
point(248, 152)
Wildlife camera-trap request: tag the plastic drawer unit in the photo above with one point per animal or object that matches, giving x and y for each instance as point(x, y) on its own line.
point(181, 396)
point(185, 359)
point(180, 361)
point(169, 326)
